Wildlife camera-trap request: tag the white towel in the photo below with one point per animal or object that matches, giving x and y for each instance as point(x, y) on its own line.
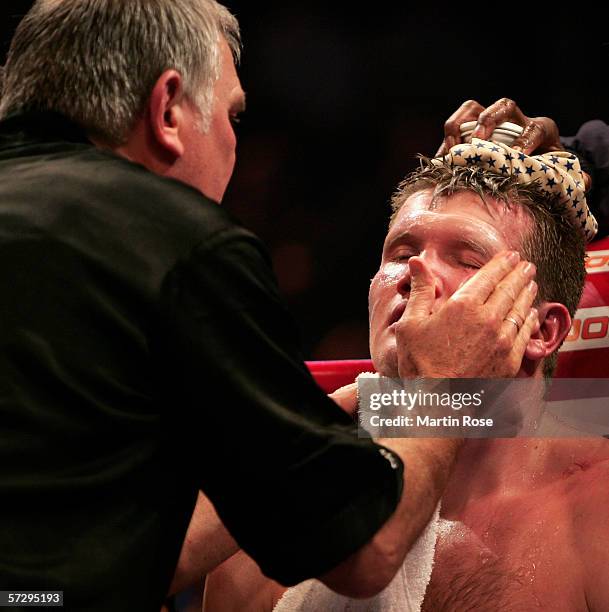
point(405, 593)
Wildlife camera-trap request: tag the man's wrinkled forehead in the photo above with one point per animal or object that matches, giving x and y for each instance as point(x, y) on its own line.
point(490, 223)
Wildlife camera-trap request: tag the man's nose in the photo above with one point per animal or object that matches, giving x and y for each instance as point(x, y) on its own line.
point(435, 269)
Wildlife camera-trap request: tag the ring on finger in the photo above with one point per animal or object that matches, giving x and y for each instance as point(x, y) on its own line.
point(511, 319)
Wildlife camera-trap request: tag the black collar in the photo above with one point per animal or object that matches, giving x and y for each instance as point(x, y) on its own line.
point(42, 125)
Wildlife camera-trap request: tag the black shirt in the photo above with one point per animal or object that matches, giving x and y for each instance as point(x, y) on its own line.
point(144, 354)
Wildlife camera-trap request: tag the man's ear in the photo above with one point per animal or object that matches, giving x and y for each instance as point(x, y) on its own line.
point(166, 116)
point(554, 325)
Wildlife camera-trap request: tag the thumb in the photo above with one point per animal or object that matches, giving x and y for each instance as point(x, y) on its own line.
point(422, 289)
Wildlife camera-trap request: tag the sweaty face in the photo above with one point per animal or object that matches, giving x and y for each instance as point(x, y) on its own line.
point(455, 236)
point(210, 157)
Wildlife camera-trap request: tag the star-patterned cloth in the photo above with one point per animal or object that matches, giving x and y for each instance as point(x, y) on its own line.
point(558, 173)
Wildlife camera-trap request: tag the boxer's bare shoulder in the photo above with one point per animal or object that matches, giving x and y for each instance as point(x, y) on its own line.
point(545, 546)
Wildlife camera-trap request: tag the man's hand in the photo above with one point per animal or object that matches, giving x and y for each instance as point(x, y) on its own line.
point(481, 331)
point(540, 134)
point(346, 398)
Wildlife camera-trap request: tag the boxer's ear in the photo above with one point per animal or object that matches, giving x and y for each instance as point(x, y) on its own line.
point(554, 325)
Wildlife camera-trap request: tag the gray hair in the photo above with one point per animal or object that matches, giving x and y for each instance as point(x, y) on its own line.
point(96, 61)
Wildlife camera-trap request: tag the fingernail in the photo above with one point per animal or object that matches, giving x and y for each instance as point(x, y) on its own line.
point(414, 265)
point(532, 287)
point(513, 257)
point(534, 313)
point(517, 148)
point(478, 130)
point(529, 269)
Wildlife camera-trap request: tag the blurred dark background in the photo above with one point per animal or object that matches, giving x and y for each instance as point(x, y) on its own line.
point(341, 99)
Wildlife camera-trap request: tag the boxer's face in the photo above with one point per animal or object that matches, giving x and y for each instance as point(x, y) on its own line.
point(455, 236)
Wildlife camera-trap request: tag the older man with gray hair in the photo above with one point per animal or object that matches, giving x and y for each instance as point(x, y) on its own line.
point(145, 352)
